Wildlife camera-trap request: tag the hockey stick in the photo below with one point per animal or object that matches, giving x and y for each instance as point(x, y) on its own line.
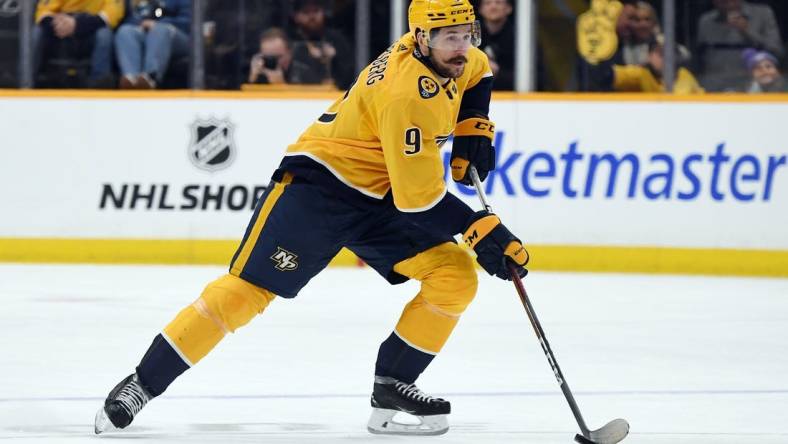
point(614, 431)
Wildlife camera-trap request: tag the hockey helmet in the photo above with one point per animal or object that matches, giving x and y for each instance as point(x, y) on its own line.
point(428, 16)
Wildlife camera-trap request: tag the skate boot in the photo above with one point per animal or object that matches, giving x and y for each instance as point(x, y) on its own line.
point(122, 404)
point(390, 396)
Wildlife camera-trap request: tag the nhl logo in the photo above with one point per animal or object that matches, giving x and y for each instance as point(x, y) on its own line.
point(10, 8)
point(212, 147)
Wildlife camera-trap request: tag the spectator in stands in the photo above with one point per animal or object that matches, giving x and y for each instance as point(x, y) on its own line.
point(152, 34)
point(645, 78)
point(645, 30)
point(724, 32)
point(644, 27)
point(83, 23)
point(498, 41)
point(274, 63)
point(626, 21)
point(765, 70)
point(630, 50)
point(325, 50)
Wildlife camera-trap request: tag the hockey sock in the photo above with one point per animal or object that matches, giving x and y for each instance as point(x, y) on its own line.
point(400, 361)
point(160, 366)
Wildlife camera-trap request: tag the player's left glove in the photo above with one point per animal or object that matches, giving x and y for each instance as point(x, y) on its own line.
point(473, 139)
point(494, 245)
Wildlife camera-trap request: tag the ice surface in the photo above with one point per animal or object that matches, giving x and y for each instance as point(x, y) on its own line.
point(683, 359)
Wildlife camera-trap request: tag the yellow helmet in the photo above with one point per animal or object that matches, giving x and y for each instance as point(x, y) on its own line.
point(428, 15)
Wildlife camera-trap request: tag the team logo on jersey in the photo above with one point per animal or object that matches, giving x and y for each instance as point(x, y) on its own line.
point(402, 48)
point(285, 260)
point(212, 147)
point(428, 88)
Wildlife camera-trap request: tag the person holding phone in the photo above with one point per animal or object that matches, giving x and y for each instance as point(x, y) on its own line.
point(274, 64)
point(727, 30)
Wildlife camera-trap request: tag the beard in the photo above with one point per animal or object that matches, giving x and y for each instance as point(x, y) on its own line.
point(448, 70)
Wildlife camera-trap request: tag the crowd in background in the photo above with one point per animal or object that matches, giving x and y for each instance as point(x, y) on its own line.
point(738, 48)
point(724, 45)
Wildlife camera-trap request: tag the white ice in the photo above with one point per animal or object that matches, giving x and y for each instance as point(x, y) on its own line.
point(683, 359)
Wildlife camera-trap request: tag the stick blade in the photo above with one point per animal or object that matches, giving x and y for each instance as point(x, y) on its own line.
point(613, 432)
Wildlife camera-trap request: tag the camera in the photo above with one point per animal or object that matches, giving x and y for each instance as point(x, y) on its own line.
point(150, 9)
point(270, 62)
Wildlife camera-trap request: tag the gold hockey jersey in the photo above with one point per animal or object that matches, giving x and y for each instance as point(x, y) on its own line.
point(110, 10)
point(387, 131)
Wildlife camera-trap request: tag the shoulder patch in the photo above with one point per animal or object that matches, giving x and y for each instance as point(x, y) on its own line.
point(402, 48)
point(428, 87)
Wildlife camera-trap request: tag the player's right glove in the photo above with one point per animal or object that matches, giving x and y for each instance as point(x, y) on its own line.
point(494, 244)
point(472, 145)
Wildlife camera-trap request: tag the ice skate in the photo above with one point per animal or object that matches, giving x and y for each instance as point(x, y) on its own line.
point(390, 396)
point(122, 404)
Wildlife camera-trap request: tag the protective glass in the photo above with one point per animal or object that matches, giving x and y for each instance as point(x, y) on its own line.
point(456, 38)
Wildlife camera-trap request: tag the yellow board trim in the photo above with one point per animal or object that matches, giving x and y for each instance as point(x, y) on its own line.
point(130, 251)
point(723, 262)
point(708, 261)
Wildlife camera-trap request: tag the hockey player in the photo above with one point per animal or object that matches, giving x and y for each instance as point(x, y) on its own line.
point(366, 175)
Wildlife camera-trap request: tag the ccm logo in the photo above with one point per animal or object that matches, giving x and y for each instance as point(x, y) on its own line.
point(485, 126)
point(472, 238)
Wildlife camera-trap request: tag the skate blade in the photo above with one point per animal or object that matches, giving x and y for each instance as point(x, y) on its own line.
point(613, 432)
point(381, 422)
point(102, 423)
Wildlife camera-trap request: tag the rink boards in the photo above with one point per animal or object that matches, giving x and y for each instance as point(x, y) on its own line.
point(592, 183)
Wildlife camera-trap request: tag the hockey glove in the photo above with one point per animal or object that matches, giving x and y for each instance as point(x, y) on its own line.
point(494, 244)
point(473, 139)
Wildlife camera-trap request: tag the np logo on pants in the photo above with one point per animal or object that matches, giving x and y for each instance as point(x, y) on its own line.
point(285, 260)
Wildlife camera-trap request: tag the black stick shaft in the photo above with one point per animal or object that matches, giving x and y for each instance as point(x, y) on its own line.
point(559, 376)
point(529, 309)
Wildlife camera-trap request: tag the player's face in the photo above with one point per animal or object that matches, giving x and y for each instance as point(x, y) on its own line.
point(449, 49)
